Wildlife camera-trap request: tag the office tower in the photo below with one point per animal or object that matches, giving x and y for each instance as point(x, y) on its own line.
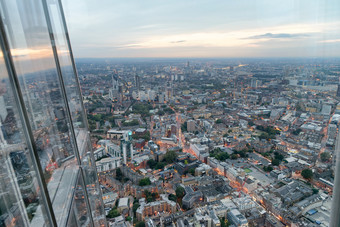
point(113, 92)
point(47, 171)
point(191, 126)
point(122, 138)
point(338, 91)
point(120, 94)
point(253, 83)
point(137, 82)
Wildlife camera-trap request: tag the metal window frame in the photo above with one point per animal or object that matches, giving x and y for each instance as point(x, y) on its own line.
point(67, 108)
point(23, 115)
point(61, 8)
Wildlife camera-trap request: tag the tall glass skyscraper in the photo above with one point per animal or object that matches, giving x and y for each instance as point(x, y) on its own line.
point(47, 171)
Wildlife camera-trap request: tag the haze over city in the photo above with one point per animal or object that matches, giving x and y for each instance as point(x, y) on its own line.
point(204, 28)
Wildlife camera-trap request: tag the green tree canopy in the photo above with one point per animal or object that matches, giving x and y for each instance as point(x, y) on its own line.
point(113, 213)
point(180, 192)
point(307, 174)
point(172, 197)
point(140, 224)
point(144, 181)
point(275, 162)
point(170, 156)
point(325, 156)
point(218, 121)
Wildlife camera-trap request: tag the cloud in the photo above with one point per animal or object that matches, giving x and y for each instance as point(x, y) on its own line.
point(179, 41)
point(200, 27)
point(278, 36)
point(330, 41)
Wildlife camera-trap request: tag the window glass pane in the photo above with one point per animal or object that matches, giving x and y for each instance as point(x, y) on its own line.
point(81, 214)
point(93, 189)
point(21, 203)
point(77, 113)
point(69, 76)
point(72, 220)
point(30, 44)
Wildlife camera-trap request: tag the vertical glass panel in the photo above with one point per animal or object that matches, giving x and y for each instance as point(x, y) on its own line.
point(30, 44)
point(21, 203)
point(68, 73)
point(71, 222)
point(77, 113)
point(92, 186)
point(79, 208)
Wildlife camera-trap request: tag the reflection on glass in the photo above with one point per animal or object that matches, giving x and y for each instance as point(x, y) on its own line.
point(42, 93)
point(68, 74)
point(79, 207)
point(92, 186)
point(20, 198)
point(52, 103)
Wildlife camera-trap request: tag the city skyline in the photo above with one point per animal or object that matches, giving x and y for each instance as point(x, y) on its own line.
point(198, 29)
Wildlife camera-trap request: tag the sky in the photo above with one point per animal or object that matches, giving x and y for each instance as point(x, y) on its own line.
point(203, 28)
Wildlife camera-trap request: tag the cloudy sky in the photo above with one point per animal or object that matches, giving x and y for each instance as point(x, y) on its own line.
point(204, 28)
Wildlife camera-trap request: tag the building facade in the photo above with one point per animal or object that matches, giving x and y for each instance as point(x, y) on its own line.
point(48, 176)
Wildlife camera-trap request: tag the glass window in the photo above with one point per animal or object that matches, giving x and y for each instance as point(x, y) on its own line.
point(80, 214)
point(93, 188)
point(68, 73)
point(21, 202)
point(30, 44)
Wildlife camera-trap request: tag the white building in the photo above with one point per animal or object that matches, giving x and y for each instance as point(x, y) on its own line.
point(107, 164)
point(198, 148)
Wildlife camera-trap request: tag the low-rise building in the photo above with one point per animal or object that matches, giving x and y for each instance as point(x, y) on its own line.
point(236, 218)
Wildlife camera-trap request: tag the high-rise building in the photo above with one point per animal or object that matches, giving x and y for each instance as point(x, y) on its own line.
point(338, 91)
point(191, 126)
point(113, 92)
point(137, 82)
point(47, 171)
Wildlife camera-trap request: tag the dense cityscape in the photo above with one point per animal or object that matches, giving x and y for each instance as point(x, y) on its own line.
point(213, 142)
point(169, 113)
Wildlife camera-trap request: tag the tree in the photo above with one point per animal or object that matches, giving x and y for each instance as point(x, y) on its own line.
point(192, 171)
point(268, 168)
point(151, 163)
point(307, 174)
point(119, 174)
point(275, 162)
point(218, 121)
point(154, 195)
point(128, 218)
point(180, 192)
point(140, 224)
point(144, 181)
point(113, 213)
point(278, 156)
point(160, 165)
point(170, 156)
point(184, 127)
point(315, 191)
point(222, 156)
point(148, 196)
point(234, 156)
point(325, 156)
point(172, 197)
point(135, 207)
